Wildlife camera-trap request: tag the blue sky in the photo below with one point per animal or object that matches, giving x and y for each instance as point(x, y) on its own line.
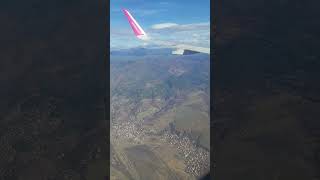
point(181, 21)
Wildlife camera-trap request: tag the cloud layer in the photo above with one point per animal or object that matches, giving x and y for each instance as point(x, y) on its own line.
point(197, 34)
point(163, 25)
point(182, 27)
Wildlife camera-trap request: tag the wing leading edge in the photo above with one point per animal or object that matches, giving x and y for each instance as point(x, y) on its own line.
point(138, 31)
point(181, 49)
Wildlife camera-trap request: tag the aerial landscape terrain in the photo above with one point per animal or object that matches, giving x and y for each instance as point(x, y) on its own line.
point(160, 125)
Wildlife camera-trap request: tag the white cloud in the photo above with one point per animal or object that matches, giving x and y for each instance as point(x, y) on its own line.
point(163, 25)
point(197, 34)
point(123, 39)
point(174, 26)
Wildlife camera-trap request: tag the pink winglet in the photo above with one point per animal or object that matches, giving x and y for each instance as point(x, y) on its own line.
point(134, 25)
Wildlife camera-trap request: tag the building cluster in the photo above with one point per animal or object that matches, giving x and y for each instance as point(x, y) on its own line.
point(127, 130)
point(197, 158)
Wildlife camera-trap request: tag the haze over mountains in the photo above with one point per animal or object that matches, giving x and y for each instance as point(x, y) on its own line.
point(141, 51)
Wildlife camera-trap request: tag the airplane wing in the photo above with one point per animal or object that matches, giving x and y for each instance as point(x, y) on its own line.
point(180, 49)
